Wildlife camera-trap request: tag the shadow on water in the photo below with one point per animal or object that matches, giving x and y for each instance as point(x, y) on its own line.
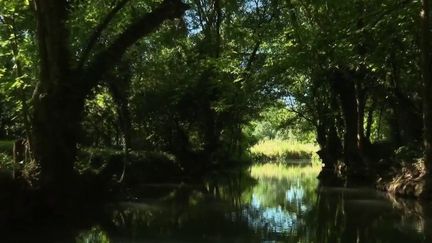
point(263, 204)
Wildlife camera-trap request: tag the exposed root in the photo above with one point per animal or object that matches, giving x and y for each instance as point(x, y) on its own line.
point(408, 181)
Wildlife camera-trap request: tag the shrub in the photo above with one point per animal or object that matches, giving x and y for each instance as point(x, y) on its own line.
point(6, 161)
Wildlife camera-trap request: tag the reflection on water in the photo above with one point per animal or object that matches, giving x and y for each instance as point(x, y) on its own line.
point(274, 205)
point(95, 234)
point(278, 203)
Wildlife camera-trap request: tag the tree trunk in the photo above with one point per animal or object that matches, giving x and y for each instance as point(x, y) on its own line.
point(119, 87)
point(369, 122)
point(427, 85)
point(211, 131)
point(56, 125)
point(361, 104)
point(408, 127)
point(56, 112)
point(345, 88)
point(329, 143)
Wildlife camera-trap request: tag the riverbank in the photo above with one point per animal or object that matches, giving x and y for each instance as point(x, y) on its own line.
point(400, 177)
point(408, 180)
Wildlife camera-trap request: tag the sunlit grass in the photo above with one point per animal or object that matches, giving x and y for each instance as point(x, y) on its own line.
point(281, 150)
point(280, 171)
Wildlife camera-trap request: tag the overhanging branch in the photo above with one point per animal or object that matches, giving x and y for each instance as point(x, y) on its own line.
point(98, 31)
point(105, 60)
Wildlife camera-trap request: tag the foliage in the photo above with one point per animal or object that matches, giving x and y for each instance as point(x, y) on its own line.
point(278, 122)
point(142, 166)
point(6, 162)
point(101, 122)
point(30, 172)
point(94, 235)
point(18, 61)
point(6, 146)
point(205, 87)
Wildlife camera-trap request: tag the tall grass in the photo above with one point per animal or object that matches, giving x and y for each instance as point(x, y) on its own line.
point(281, 151)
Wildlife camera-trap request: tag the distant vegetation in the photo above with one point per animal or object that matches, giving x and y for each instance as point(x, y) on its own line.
point(279, 136)
point(281, 151)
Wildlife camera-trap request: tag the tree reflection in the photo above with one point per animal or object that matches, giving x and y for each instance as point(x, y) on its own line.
point(234, 207)
point(95, 234)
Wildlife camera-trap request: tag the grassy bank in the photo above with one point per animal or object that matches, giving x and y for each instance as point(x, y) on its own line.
point(281, 151)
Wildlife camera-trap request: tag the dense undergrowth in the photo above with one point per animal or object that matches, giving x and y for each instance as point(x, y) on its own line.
point(109, 165)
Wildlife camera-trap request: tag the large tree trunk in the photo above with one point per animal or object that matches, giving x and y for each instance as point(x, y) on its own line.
point(406, 117)
point(327, 136)
point(345, 88)
point(329, 143)
point(427, 85)
point(55, 109)
point(56, 125)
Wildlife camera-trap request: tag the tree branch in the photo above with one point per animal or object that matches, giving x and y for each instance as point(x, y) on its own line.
point(253, 56)
point(98, 31)
point(105, 60)
point(201, 14)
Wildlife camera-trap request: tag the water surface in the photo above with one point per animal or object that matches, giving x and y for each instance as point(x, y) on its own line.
point(266, 204)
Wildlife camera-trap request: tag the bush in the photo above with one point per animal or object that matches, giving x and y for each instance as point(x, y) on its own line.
point(6, 162)
point(141, 166)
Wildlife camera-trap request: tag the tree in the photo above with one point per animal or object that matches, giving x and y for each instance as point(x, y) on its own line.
point(427, 84)
point(59, 97)
point(17, 59)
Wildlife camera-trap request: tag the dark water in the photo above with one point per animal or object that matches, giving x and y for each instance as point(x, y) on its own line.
point(276, 206)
